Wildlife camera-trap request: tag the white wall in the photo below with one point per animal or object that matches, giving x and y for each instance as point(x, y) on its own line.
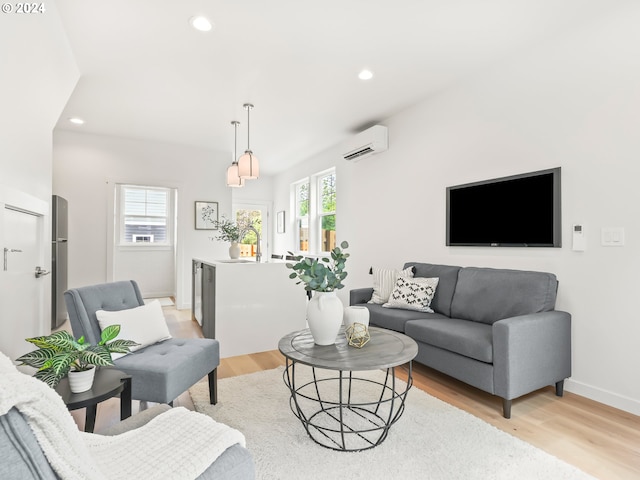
point(574, 104)
point(38, 75)
point(84, 171)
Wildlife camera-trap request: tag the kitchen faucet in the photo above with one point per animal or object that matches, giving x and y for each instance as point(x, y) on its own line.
point(258, 252)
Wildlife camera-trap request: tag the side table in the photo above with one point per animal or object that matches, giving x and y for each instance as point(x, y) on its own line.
point(107, 383)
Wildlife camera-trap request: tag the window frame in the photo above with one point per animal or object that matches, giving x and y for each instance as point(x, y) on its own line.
point(121, 216)
point(319, 199)
point(315, 212)
point(299, 218)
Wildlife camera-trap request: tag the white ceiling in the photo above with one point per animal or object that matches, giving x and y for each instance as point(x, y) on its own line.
point(147, 74)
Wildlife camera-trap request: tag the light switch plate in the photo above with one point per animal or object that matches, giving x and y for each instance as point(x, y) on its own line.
point(612, 236)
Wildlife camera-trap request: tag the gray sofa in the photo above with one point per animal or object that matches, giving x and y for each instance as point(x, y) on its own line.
point(23, 459)
point(496, 330)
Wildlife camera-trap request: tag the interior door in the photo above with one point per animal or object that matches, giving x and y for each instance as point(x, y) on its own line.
point(22, 293)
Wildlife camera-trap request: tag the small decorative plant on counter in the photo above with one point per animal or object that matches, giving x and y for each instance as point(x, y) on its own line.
point(321, 275)
point(229, 231)
point(60, 353)
point(235, 232)
point(324, 277)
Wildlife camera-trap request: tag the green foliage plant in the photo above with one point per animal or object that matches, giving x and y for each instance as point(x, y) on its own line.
point(321, 275)
point(229, 231)
point(234, 232)
point(60, 352)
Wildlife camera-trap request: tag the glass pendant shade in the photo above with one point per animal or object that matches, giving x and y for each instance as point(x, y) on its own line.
point(233, 179)
point(248, 167)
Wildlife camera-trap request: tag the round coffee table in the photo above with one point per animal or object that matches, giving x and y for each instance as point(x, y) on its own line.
point(342, 402)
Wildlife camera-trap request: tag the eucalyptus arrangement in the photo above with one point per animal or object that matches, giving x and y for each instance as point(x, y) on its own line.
point(229, 231)
point(60, 353)
point(321, 275)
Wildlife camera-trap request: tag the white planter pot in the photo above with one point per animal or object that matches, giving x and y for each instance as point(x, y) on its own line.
point(81, 381)
point(234, 250)
point(324, 315)
point(355, 314)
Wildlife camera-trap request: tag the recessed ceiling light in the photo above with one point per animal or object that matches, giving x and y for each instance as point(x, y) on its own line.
point(201, 23)
point(76, 120)
point(365, 75)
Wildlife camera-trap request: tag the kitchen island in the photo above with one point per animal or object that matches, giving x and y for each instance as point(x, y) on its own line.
point(247, 306)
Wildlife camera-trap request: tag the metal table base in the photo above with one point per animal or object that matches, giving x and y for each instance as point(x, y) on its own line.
point(331, 414)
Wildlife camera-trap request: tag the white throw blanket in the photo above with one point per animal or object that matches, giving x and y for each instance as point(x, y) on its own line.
point(178, 444)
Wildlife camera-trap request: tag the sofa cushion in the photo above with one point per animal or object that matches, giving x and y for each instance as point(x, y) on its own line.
point(448, 276)
point(413, 294)
point(471, 339)
point(487, 295)
point(394, 318)
point(384, 280)
point(20, 453)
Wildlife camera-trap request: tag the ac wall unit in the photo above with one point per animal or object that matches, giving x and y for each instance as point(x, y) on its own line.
point(368, 142)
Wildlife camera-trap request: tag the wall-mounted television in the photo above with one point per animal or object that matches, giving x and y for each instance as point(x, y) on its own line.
point(517, 211)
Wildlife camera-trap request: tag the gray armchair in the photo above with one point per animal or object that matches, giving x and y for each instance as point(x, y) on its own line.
point(160, 372)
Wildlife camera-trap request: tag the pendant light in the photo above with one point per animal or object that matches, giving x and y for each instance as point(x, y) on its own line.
point(248, 163)
point(233, 177)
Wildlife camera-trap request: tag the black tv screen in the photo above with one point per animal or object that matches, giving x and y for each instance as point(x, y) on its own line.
point(516, 211)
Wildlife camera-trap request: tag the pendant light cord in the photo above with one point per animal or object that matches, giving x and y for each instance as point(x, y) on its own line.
point(248, 106)
point(235, 124)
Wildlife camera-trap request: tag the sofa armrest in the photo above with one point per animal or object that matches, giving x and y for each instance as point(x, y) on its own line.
point(360, 295)
point(530, 352)
point(136, 421)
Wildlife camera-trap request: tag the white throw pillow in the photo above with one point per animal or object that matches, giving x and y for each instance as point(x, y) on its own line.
point(144, 324)
point(413, 294)
point(384, 280)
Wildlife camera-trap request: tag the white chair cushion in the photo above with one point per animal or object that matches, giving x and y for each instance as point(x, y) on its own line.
point(144, 325)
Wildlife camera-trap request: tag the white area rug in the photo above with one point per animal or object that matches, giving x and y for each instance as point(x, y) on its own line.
point(164, 301)
point(432, 440)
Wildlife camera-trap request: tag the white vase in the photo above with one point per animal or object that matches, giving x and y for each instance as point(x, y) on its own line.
point(356, 314)
point(324, 315)
point(81, 381)
point(234, 250)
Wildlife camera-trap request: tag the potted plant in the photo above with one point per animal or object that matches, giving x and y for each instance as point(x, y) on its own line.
point(230, 231)
point(60, 354)
point(234, 232)
point(323, 277)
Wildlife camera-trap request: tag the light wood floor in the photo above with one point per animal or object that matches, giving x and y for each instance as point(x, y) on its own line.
point(600, 440)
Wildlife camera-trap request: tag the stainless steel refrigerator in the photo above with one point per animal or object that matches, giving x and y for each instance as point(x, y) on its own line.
point(58, 260)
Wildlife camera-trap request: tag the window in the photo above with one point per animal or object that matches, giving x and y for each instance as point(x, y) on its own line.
point(144, 215)
point(302, 216)
point(314, 203)
point(327, 211)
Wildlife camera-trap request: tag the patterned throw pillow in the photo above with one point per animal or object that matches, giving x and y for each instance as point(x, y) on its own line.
point(413, 294)
point(384, 280)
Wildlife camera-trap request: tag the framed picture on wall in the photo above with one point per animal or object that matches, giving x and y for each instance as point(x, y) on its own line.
point(206, 215)
point(280, 221)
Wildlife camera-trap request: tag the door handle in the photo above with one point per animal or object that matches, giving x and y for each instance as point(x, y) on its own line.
point(40, 272)
point(9, 250)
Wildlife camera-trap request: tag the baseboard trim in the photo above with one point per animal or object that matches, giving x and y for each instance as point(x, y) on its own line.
point(603, 396)
point(157, 294)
